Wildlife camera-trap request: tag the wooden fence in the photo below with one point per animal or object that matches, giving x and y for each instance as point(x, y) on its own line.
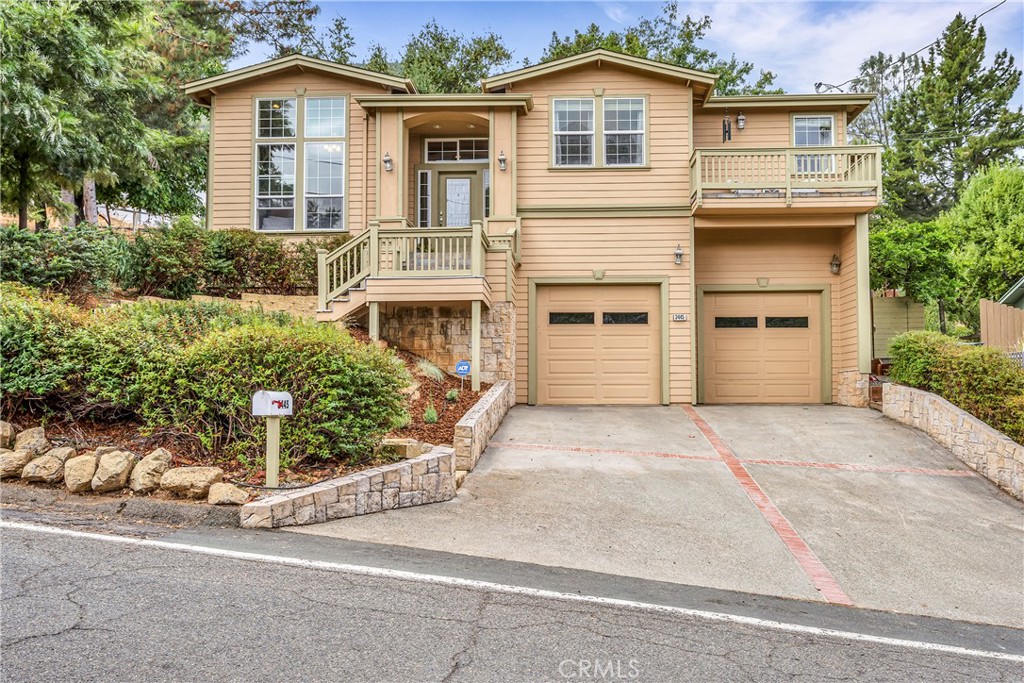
point(1002, 326)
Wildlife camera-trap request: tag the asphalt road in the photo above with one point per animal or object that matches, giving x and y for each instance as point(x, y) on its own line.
point(76, 608)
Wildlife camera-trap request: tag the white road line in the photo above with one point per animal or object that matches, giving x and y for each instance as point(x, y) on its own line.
point(514, 590)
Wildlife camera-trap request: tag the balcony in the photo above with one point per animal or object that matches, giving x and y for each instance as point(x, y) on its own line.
point(834, 179)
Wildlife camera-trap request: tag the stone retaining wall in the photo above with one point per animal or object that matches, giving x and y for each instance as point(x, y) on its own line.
point(989, 452)
point(475, 429)
point(852, 389)
point(430, 478)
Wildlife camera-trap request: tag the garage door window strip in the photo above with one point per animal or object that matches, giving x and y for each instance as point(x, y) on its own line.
point(624, 318)
point(744, 321)
point(786, 321)
point(570, 318)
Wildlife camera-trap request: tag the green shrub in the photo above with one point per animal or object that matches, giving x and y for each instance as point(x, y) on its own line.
point(168, 261)
point(76, 261)
point(34, 336)
point(983, 381)
point(914, 355)
point(430, 414)
point(452, 396)
point(347, 395)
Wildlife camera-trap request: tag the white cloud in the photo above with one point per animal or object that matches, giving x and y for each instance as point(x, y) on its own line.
point(616, 11)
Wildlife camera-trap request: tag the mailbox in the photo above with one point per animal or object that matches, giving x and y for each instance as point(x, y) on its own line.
point(271, 403)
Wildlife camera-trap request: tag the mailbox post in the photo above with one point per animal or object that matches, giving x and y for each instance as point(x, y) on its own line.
point(272, 405)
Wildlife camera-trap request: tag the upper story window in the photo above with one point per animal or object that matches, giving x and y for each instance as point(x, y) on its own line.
point(275, 118)
point(573, 129)
point(814, 131)
point(451, 149)
point(624, 131)
point(325, 117)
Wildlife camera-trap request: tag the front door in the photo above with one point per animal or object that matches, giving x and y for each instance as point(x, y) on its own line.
point(457, 201)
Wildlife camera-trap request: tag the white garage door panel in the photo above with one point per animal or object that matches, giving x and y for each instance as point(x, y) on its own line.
point(600, 361)
point(776, 361)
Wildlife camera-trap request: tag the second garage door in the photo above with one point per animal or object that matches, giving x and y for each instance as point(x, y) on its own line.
point(598, 344)
point(762, 347)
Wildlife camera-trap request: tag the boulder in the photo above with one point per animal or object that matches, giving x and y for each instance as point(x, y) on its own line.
point(226, 494)
point(13, 462)
point(146, 475)
point(64, 453)
point(45, 468)
point(78, 473)
point(7, 434)
point(191, 482)
point(112, 471)
point(32, 441)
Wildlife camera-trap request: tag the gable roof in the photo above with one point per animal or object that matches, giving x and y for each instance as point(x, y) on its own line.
point(597, 56)
point(1014, 295)
point(202, 89)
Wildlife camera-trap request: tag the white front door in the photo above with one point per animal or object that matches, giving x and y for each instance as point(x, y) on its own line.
point(457, 198)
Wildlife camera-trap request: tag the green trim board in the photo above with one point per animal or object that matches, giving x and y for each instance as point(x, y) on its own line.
point(531, 357)
point(853, 103)
point(826, 327)
point(864, 318)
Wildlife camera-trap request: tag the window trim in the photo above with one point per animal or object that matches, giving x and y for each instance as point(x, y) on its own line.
point(305, 113)
point(595, 151)
point(256, 197)
point(598, 95)
point(256, 116)
point(642, 133)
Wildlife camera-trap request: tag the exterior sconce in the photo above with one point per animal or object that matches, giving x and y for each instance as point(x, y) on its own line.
point(679, 254)
point(389, 165)
point(502, 161)
point(835, 264)
point(741, 121)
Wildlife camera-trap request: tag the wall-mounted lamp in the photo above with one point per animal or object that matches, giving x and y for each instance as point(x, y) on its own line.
point(741, 121)
point(679, 254)
point(389, 165)
point(502, 161)
point(835, 264)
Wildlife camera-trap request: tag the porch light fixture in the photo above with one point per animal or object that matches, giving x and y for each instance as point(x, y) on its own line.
point(835, 264)
point(741, 121)
point(389, 165)
point(679, 254)
point(502, 161)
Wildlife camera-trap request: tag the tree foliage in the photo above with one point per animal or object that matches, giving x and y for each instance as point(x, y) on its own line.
point(670, 37)
point(889, 78)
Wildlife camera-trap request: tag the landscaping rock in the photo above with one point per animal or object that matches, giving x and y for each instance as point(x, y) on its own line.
point(45, 468)
point(78, 473)
point(13, 462)
point(112, 471)
point(226, 494)
point(7, 434)
point(32, 441)
point(64, 453)
point(191, 482)
point(146, 475)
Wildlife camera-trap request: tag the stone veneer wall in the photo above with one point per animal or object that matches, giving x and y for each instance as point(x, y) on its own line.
point(475, 429)
point(430, 478)
point(989, 452)
point(853, 389)
point(442, 335)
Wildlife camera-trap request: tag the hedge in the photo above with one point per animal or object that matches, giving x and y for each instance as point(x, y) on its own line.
point(981, 380)
point(193, 367)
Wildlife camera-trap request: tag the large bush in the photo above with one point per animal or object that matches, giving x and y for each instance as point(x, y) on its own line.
point(34, 338)
point(347, 394)
point(168, 261)
point(983, 381)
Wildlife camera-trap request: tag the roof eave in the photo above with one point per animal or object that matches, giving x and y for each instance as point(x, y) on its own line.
point(521, 101)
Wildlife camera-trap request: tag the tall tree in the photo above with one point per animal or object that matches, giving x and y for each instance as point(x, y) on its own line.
point(956, 120)
point(889, 78)
point(670, 37)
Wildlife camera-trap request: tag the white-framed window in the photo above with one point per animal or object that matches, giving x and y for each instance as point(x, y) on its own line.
point(325, 117)
point(325, 185)
point(624, 121)
point(573, 131)
point(424, 198)
point(275, 186)
point(487, 193)
point(456, 149)
point(814, 131)
point(275, 118)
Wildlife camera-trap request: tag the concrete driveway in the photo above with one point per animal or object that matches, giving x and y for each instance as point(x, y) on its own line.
point(810, 502)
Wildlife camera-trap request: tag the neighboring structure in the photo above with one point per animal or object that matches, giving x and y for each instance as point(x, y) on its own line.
point(599, 229)
point(1014, 295)
point(891, 317)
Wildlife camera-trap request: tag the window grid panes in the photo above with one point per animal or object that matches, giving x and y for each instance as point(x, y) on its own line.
point(275, 118)
point(325, 117)
point(487, 193)
point(574, 132)
point(275, 187)
point(467, 149)
point(624, 131)
point(325, 185)
point(423, 209)
point(813, 131)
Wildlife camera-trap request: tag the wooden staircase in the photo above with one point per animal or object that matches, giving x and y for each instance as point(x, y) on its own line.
point(341, 275)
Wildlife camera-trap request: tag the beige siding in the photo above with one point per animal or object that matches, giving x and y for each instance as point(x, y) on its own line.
point(787, 256)
point(664, 182)
point(233, 118)
point(427, 289)
point(621, 247)
point(764, 128)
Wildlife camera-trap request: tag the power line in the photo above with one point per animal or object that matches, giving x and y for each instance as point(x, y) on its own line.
point(898, 62)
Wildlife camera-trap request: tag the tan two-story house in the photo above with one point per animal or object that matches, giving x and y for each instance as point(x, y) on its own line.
point(600, 229)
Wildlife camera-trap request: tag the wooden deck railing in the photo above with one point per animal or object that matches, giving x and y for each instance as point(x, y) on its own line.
point(747, 173)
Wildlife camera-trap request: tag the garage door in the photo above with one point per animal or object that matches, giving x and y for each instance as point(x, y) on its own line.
point(762, 347)
point(598, 344)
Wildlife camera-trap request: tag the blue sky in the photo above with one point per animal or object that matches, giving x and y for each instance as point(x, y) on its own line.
point(802, 42)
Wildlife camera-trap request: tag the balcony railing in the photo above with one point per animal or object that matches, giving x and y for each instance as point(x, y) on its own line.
point(800, 171)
